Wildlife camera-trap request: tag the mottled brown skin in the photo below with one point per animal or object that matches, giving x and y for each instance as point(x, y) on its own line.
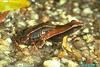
point(28, 36)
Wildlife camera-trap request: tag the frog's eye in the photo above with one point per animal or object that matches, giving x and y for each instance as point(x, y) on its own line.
point(6, 5)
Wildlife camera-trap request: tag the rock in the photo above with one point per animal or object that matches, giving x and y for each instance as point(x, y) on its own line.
point(33, 0)
point(79, 43)
point(34, 16)
point(23, 64)
point(28, 59)
point(22, 46)
point(31, 23)
point(88, 38)
point(21, 24)
point(48, 43)
point(8, 24)
point(91, 24)
point(26, 51)
point(70, 18)
point(83, 58)
point(8, 40)
point(86, 30)
point(56, 52)
point(72, 64)
point(62, 2)
point(3, 63)
point(77, 10)
point(45, 19)
point(69, 63)
point(85, 53)
point(87, 11)
point(89, 61)
point(76, 54)
point(91, 48)
point(76, 4)
point(4, 46)
point(51, 63)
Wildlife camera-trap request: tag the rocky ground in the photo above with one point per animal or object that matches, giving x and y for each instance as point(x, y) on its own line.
point(82, 51)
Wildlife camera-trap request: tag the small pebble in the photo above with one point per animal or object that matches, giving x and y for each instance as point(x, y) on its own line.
point(79, 44)
point(29, 8)
point(7, 52)
point(33, 0)
point(70, 18)
point(8, 40)
point(83, 48)
point(26, 51)
point(72, 64)
point(92, 47)
point(8, 24)
point(23, 64)
point(86, 30)
point(3, 63)
point(76, 4)
point(69, 63)
point(7, 20)
point(92, 28)
point(87, 11)
point(48, 43)
point(76, 32)
point(62, 2)
point(22, 46)
point(89, 61)
point(85, 53)
point(83, 58)
point(51, 63)
point(91, 24)
point(31, 23)
point(21, 24)
point(34, 16)
point(76, 10)
point(89, 38)
point(4, 45)
point(69, 39)
point(56, 52)
point(28, 59)
point(45, 19)
point(63, 15)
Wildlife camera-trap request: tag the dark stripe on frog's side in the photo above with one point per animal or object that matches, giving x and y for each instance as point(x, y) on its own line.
point(34, 32)
point(61, 29)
